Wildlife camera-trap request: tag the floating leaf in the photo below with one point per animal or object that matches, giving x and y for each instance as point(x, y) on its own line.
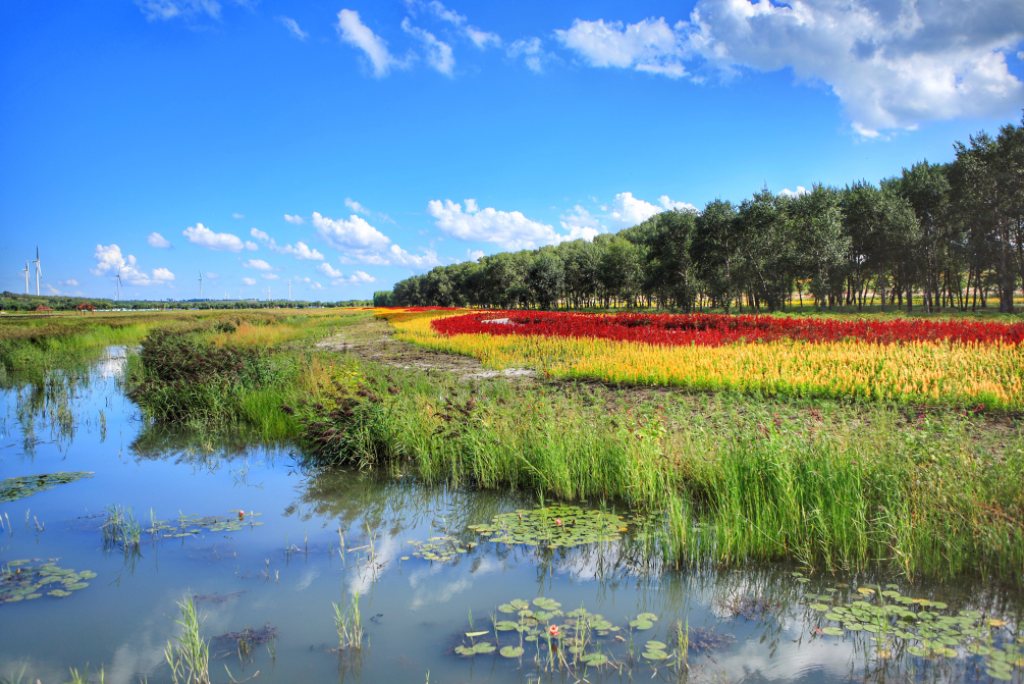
point(649, 617)
point(511, 651)
point(595, 659)
point(833, 631)
point(476, 634)
point(484, 647)
point(16, 488)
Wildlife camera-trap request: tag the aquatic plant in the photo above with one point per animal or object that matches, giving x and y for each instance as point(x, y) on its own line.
point(121, 529)
point(190, 525)
point(349, 624)
point(15, 488)
point(20, 580)
point(83, 677)
point(440, 548)
point(552, 527)
point(189, 658)
point(918, 627)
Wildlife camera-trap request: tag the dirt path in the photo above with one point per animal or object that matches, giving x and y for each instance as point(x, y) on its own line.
point(371, 340)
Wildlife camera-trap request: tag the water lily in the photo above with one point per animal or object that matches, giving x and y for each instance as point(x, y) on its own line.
point(553, 630)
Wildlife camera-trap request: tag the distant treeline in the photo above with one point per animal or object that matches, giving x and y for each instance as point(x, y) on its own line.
point(949, 235)
point(19, 302)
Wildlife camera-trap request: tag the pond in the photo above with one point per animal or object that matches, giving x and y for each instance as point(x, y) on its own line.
point(453, 585)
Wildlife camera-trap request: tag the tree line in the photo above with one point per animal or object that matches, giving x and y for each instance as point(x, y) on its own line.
point(10, 301)
point(938, 236)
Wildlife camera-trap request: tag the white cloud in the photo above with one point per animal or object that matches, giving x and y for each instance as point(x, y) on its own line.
point(354, 32)
point(329, 270)
point(169, 9)
point(800, 190)
point(510, 229)
point(238, 216)
point(251, 246)
point(396, 256)
point(474, 255)
point(316, 286)
point(301, 251)
point(439, 53)
point(269, 276)
point(480, 39)
point(158, 240)
point(110, 262)
point(50, 289)
point(648, 45)
point(628, 211)
point(71, 283)
point(581, 224)
point(361, 277)
point(893, 64)
point(356, 206)
point(297, 220)
point(293, 27)
point(204, 237)
point(667, 203)
point(301, 279)
point(259, 235)
point(249, 281)
point(258, 264)
point(355, 233)
point(532, 52)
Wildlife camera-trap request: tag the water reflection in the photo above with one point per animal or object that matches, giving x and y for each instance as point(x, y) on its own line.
point(331, 533)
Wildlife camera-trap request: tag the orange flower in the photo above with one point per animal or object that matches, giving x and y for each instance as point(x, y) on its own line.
point(553, 629)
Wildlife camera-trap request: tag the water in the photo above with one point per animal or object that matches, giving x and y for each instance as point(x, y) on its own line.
point(289, 570)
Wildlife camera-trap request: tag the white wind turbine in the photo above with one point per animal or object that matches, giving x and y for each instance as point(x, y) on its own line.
point(117, 290)
point(26, 269)
point(39, 270)
point(200, 284)
point(289, 289)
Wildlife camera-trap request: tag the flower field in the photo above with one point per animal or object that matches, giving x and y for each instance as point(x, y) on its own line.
point(941, 362)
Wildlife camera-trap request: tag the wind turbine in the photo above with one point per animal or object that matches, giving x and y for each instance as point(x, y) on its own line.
point(289, 289)
point(200, 284)
point(39, 270)
point(26, 269)
point(118, 289)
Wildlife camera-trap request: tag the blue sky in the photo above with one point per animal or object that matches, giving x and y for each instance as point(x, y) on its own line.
point(344, 145)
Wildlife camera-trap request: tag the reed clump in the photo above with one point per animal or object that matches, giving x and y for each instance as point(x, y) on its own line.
point(189, 658)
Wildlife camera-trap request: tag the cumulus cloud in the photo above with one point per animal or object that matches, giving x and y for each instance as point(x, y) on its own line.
point(110, 262)
point(269, 276)
point(158, 240)
point(532, 52)
point(581, 224)
point(251, 246)
point(204, 237)
point(800, 190)
point(316, 286)
point(357, 277)
point(396, 256)
point(893, 64)
point(668, 203)
point(300, 251)
point(293, 27)
point(297, 220)
point(353, 31)
point(249, 281)
point(628, 211)
point(649, 45)
point(439, 53)
point(474, 254)
point(329, 270)
point(72, 282)
point(356, 206)
point(509, 229)
point(170, 9)
point(258, 264)
point(352, 234)
point(238, 216)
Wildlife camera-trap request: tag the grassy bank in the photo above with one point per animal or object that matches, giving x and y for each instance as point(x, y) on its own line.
point(737, 478)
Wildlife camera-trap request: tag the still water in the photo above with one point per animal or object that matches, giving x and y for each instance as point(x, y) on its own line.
point(323, 536)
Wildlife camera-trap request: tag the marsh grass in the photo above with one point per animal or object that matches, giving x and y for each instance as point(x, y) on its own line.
point(349, 624)
point(189, 658)
point(83, 677)
point(121, 530)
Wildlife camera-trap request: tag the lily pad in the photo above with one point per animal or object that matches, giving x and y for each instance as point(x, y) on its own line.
point(552, 527)
point(511, 651)
point(16, 488)
point(833, 631)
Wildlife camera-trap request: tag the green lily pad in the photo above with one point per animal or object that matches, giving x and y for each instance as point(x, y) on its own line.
point(16, 488)
point(834, 616)
point(595, 659)
point(918, 651)
point(649, 617)
point(655, 655)
point(641, 624)
point(552, 527)
point(656, 646)
point(511, 651)
point(505, 625)
point(484, 647)
point(55, 592)
point(833, 631)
